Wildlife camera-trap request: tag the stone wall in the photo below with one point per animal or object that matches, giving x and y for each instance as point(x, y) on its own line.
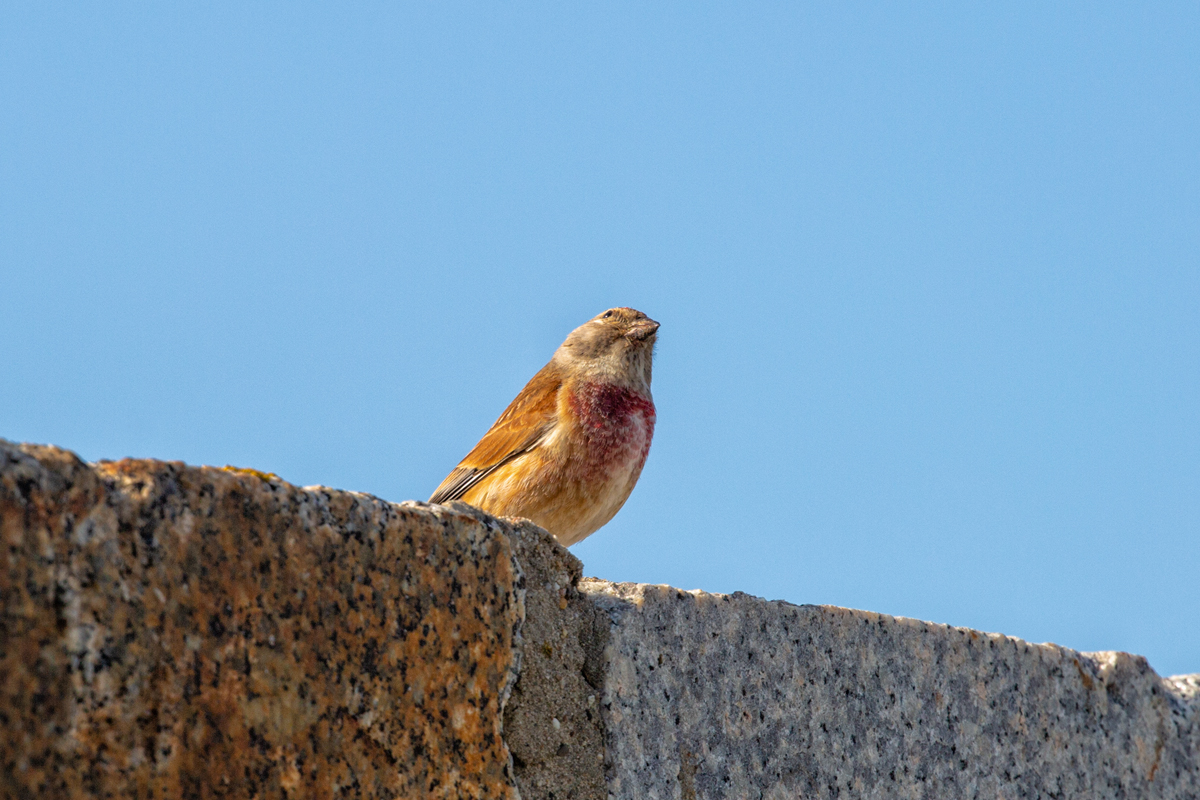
point(712, 696)
point(176, 631)
point(172, 631)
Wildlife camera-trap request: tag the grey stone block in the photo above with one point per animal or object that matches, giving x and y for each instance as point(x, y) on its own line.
point(711, 696)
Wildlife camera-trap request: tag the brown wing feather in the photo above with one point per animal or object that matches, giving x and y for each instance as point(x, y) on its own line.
point(528, 418)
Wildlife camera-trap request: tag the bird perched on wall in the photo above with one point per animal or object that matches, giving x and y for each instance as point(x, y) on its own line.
point(568, 450)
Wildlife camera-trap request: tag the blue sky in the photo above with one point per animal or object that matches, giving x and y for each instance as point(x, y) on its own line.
point(928, 278)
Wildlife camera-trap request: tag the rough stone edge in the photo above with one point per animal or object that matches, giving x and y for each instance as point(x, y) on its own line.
point(613, 599)
point(617, 601)
point(553, 725)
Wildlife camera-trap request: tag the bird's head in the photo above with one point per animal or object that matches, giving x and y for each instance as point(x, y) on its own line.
point(616, 346)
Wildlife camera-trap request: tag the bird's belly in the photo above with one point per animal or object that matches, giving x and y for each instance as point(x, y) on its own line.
point(604, 476)
point(576, 481)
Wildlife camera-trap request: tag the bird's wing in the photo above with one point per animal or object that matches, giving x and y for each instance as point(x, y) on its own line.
point(520, 429)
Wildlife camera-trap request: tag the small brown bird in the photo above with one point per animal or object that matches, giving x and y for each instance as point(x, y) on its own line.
point(568, 450)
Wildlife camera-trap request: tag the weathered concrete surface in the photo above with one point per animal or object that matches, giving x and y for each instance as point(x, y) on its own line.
point(711, 696)
point(170, 631)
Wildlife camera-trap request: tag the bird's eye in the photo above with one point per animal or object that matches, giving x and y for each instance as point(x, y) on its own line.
point(607, 314)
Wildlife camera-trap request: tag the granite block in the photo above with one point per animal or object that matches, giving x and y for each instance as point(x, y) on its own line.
point(730, 696)
point(170, 631)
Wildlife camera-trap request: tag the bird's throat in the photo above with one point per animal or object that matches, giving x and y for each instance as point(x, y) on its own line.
point(615, 425)
point(598, 406)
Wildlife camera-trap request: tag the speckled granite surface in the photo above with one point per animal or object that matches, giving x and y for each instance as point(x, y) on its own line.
point(180, 632)
point(712, 696)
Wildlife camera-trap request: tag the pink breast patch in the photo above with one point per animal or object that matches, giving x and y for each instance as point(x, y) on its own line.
point(618, 424)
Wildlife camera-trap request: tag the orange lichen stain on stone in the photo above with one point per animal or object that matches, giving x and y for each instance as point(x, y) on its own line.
point(1158, 751)
point(265, 476)
point(236, 638)
point(1087, 679)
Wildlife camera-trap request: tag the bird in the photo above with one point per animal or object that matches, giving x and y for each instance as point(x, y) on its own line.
point(570, 447)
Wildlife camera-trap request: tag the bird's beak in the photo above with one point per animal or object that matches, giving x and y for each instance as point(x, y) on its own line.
point(643, 330)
